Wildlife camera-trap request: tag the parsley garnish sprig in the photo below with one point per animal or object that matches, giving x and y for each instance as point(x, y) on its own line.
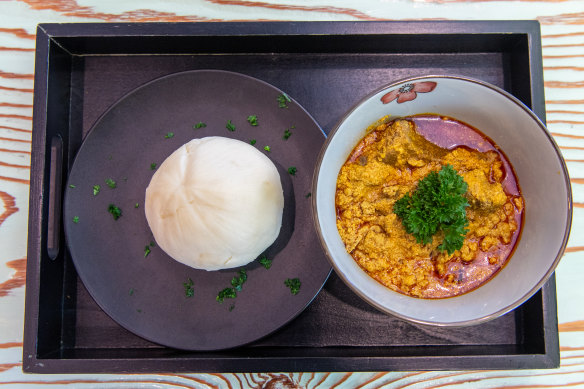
point(438, 204)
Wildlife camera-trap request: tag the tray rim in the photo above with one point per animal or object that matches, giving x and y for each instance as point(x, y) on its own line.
point(51, 34)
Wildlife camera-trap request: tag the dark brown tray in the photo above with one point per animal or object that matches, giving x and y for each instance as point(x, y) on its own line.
point(81, 69)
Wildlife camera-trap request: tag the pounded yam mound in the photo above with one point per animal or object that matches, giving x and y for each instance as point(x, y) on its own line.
point(215, 203)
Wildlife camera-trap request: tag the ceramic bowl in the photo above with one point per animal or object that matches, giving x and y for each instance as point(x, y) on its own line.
point(539, 166)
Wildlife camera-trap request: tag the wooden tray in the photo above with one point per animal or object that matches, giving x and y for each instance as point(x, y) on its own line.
point(81, 69)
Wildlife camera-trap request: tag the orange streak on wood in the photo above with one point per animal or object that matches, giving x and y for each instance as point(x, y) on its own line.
point(577, 180)
point(324, 377)
point(12, 105)
point(10, 344)
point(571, 148)
point(370, 380)
point(564, 102)
point(238, 380)
point(7, 366)
point(18, 180)
point(10, 207)
point(345, 377)
point(14, 151)
point(289, 7)
point(574, 18)
point(563, 84)
point(571, 326)
point(13, 116)
point(562, 56)
point(221, 377)
point(564, 45)
point(15, 129)
point(574, 160)
point(574, 249)
point(578, 205)
point(4, 48)
point(565, 121)
point(576, 68)
point(17, 75)
point(17, 280)
point(565, 112)
point(14, 165)
point(19, 32)
point(26, 90)
point(15, 140)
point(434, 378)
point(71, 8)
point(567, 135)
point(194, 379)
point(565, 35)
point(569, 348)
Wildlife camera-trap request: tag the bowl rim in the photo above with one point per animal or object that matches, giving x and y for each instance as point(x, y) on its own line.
point(477, 320)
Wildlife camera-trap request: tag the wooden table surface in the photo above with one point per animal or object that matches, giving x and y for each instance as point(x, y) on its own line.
point(562, 27)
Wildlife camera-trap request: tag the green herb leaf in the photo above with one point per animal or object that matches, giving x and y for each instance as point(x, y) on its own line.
point(308, 195)
point(111, 183)
point(131, 292)
point(71, 186)
point(231, 307)
point(252, 142)
point(227, 293)
point(115, 211)
point(146, 251)
point(287, 134)
point(267, 263)
point(293, 284)
point(152, 244)
point(238, 281)
point(438, 204)
point(283, 99)
point(96, 189)
point(253, 120)
point(199, 125)
point(169, 135)
point(152, 166)
point(75, 219)
point(189, 290)
point(267, 148)
point(292, 170)
point(136, 205)
point(230, 126)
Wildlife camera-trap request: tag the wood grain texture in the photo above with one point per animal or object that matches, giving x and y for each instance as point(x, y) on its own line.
point(563, 53)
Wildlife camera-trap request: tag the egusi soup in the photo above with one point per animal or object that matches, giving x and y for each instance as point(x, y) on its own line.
point(428, 206)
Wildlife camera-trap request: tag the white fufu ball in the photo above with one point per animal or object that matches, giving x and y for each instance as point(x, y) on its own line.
point(215, 203)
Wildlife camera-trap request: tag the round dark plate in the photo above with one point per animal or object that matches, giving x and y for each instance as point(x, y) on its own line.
point(147, 294)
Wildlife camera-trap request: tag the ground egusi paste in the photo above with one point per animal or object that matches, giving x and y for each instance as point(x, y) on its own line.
point(387, 164)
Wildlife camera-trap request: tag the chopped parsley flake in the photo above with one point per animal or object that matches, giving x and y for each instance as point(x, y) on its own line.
point(227, 293)
point(131, 292)
point(287, 134)
point(139, 310)
point(136, 205)
point(293, 284)
point(231, 307)
point(115, 211)
point(267, 263)
point(71, 186)
point(252, 142)
point(189, 290)
point(292, 170)
point(111, 183)
point(230, 126)
point(308, 195)
point(169, 135)
point(147, 251)
point(199, 125)
point(96, 189)
point(253, 120)
point(267, 148)
point(75, 219)
point(283, 99)
point(152, 166)
point(152, 244)
point(238, 281)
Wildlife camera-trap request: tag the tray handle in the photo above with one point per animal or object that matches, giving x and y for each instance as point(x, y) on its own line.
point(55, 190)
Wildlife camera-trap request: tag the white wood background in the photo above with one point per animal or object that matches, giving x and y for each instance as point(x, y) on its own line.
point(562, 26)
